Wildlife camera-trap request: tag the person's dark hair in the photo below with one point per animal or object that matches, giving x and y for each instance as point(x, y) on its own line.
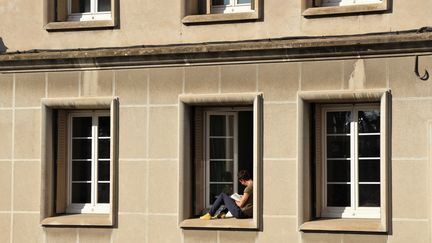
point(244, 175)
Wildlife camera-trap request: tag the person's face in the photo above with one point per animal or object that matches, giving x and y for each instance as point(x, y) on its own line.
point(243, 182)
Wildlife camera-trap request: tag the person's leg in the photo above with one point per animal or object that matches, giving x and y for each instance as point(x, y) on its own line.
point(232, 206)
point(219, 201)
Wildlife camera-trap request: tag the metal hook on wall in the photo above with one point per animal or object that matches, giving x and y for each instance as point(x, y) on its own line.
point(425, 76)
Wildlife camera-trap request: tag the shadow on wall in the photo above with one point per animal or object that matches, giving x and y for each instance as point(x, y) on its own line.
point(3, 48)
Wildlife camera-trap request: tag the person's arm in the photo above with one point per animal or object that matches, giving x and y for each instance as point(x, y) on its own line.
point(243, 200)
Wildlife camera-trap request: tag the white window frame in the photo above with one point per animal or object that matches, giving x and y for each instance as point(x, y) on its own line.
point(89, 16)
point(232, 7)
point(93, 206)
point(355, 211)
point(207, 151)
point(330, 3)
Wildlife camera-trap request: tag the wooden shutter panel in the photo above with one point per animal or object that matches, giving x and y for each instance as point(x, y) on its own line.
point(61, 10)
point(199, 163)
point(318, 162)
point(61, 162)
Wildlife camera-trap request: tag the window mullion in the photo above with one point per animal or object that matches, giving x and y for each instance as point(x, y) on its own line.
point(355, 159)
point(93, 6)
point(235, 144)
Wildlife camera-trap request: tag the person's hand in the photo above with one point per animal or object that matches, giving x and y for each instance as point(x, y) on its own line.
point(238, 203)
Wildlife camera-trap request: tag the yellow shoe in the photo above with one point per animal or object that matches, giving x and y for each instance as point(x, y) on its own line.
point(206, 216)
point(222, 215)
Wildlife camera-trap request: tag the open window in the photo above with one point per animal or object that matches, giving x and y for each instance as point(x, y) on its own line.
point(220, 135)
point(81, 14)
point(343, 161)
point(79, 155)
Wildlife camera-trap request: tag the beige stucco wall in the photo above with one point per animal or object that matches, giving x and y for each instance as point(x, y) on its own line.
point(159, 22)
point(148, 165)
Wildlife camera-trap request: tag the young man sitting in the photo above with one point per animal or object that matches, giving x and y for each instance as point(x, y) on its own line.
point(239, 209)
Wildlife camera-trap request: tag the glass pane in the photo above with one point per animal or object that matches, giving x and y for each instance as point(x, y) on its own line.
point(219, 126)
point(104, 126)
point(369, 121)
point(243, 1)
point(221, 148)
point(81, 148)
point(80, 6)
point(221, 171)
point(338, 147)
point(215, 190)
point(369, 146)
point(338, 195)
point(103, 192)
point(81, 170)
point(82, 127)
point(220, 2)
point(338, 122)
point(369, 195)
point(104, 5)
point(369, 170)
point(104, 148)
point(104, 171)
point(338, 171)
point(81, 192)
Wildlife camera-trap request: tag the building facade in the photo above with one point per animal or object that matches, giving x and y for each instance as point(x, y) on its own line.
point(122, 120)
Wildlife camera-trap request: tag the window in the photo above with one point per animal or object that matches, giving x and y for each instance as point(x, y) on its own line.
point(84, 10)
point(326, 3)
point(228, 141)
point(344, 139)
point(89, 162)
point(334, 7)
point(79, 161)
point(81, 14)
point(219, 136)
point(351, 161)
point(209, 11)
point(230, 6)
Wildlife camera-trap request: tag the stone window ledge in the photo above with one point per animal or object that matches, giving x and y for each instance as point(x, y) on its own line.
point(101, 220)
point(230, 223)
point(76, 25)
point(344, 225)
point(211, 18)
point(334, 10)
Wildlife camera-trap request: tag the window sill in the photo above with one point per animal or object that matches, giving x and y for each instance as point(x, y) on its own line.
point(350, 225)
point(231, 223)
point(77, 25)
point(212, 18)
point(102, 220)
point(334, 10)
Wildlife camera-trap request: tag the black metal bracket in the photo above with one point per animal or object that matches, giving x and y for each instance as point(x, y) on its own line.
point(423, 77)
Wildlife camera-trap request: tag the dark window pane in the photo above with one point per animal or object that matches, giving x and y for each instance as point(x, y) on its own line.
point(338, 122)
point(215, 190)
point(338, 147)
point(369, 121)
point(104, 148)
point(82, 127)
point(104, 5)
point(221, 171)
point(81, 192)
point(243, 1)
point(81, 148)
point(220, 127)
point(369, 170)
point(104, 171)
point(103, 192)
point(220, 2)
point(80, 6)
point(338, 171)
point(81, 170)
point(369, 146)
point(104, 126)
point(221, 148)
point(369, 195)
point(338, 195)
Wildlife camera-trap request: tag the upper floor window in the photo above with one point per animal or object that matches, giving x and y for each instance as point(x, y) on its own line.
point(85, 10)
point(326, 3)
point(230, 6)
